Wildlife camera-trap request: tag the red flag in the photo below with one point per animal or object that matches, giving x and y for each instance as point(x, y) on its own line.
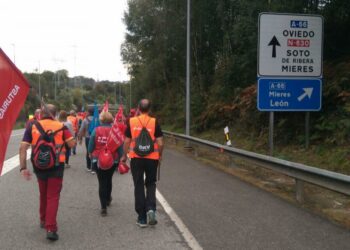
point(105, 107)
point(14, 91)
point(116, 137)
point(121, 120)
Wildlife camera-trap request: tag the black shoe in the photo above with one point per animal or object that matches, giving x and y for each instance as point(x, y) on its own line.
point(142, 223)
point(109, 202)
point(103, 212)
point(42, 224)
point(53, 236)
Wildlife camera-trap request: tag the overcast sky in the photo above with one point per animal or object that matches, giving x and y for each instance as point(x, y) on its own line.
point(82, 36)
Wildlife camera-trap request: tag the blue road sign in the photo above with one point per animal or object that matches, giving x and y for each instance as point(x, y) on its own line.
point(289, 94)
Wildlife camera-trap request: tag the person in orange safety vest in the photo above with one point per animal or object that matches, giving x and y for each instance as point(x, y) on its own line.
point(145, 205)
point(50, 179)
point(72, 118)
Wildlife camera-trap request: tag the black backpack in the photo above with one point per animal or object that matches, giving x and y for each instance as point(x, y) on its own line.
point(144, 145)
point(44, 154)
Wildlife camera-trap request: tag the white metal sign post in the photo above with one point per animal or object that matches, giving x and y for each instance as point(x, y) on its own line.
point(290, 50)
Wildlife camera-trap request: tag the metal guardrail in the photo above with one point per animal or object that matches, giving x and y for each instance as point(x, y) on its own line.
point(302, 173)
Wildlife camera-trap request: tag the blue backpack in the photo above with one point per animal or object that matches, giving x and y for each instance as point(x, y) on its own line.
point(94, 123)
point(90, 125)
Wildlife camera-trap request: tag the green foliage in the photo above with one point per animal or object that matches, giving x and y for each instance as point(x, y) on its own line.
point(223, 65)
point(70, 93)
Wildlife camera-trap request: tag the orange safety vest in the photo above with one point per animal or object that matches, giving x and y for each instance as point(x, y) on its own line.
point(49, 124)
point(74, 122)
point(135, 128)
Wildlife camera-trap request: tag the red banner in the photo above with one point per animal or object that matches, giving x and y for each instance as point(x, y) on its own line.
point(117, 137)
point(13, 94)
point(105, 107)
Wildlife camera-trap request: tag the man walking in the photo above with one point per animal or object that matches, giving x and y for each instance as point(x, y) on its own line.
point(35, 117)
point(84, 132)
point(47, 167)
point(144, 162)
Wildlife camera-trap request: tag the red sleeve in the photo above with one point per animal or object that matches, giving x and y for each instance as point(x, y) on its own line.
point(66, 134)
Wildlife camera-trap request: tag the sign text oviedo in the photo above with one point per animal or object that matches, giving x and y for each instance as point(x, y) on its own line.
point(295, 45)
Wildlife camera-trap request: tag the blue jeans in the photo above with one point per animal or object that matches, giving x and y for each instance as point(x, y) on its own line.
point(68, 151)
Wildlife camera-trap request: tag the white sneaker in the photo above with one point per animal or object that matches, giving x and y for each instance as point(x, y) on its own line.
point(93, 172)
point(151, 216)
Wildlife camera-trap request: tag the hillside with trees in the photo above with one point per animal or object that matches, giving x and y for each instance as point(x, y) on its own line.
point(223, 68)
point(71, 93)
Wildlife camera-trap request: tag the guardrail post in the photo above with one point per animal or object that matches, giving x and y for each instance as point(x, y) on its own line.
point(195, 151)
point(299, 189)
point(232, 162)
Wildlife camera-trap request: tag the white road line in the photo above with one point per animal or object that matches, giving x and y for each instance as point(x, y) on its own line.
point(12, 163)
point(189, 238)
point(20, 132)
point(16, 135)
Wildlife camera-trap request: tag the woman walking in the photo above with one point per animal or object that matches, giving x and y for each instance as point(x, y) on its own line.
point(97, 143)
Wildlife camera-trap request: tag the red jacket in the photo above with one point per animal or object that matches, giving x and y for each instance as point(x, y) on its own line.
point(101, 136)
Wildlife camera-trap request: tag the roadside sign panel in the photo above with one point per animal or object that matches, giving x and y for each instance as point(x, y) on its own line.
point(290, 45)
point(289, 94)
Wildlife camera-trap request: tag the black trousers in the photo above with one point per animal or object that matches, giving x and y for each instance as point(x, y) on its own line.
point(88, 160)
point(144, 201)
point(105, 184)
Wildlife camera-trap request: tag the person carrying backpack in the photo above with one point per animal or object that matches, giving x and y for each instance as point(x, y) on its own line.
point(144, 142)
point(104, 161)
point(46, 138)
point(85, 132)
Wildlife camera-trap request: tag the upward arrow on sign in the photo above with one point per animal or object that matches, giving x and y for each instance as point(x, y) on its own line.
point(274, 42)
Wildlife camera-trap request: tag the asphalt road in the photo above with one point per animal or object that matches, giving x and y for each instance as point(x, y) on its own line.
point(221, 212)
point(13, 146)
point(80, 224)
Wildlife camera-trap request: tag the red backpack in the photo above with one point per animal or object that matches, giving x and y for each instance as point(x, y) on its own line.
point(105, 159)
point(44, 155)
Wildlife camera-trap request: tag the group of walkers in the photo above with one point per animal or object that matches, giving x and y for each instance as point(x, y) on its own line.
point(53, 140)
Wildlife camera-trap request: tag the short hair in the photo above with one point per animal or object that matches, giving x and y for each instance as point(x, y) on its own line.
point(62, 116)
point(144, 105)
point(48, 111)
point(106, 117)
